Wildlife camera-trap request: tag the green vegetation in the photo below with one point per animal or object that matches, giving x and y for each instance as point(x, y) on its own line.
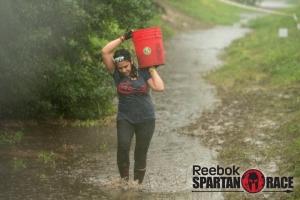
point(105, 121)
point(11, 138)
point(293, 1)
point(43, 177)
point(262, 76)
point(86, 123)
point(50, 55)
point(49, 52)
point(18, 164)
point(259, 88)
point(47, 158)
point(209, 11)
point(103, 146)
point(50, 68)
point(263, 58)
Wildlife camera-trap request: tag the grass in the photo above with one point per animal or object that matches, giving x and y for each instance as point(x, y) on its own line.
point(11, 138)
point(18, 164)
point(210, 11)
point(263, 58)
point(262, 76)
point(47, 158)
point(257, 123)
point(293, 1)
point(104, 146)
point(105, 121)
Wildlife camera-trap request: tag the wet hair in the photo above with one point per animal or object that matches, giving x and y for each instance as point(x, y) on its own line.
point(124, 55)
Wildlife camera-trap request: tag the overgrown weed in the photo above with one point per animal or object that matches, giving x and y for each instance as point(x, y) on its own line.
point(15, 138)
point(18, 164)
point(105, 121)
point(48, 159)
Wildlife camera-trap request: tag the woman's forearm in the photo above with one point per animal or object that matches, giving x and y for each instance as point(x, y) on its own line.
point(109, 47)
point(157, 81)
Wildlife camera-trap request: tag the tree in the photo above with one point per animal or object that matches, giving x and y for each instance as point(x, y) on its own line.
point(50, 63)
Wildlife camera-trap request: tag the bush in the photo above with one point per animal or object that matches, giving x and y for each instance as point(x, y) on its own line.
point(50, 62)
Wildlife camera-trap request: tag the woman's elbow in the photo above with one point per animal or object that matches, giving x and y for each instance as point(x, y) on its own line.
point(160, 89)
point(103, 52)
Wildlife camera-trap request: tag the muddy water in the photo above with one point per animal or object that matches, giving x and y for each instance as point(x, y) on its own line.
point(86, 157)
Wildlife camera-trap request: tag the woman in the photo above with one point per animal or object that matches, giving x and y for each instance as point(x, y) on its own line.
point(135, 109)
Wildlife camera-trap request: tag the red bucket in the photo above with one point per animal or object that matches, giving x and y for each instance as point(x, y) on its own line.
point(149, 47)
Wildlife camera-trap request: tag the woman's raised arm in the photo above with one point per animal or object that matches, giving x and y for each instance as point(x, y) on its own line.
point(107, 58)
point(107, 49)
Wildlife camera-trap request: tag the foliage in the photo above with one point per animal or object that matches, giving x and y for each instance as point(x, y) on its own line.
point(263, 58)
point(264, 63)
point(104, 146)
point(50, 65)
point(47, 158)
point(17, 164)
point(43, 176)
point(86, 123)
point(11, 139)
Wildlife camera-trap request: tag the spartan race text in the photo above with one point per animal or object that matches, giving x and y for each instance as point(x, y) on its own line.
point(229, 178)
point(209, 177)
